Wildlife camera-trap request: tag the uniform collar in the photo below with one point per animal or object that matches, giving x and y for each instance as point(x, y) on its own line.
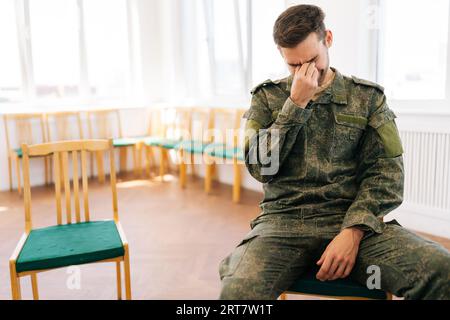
point(336, 91)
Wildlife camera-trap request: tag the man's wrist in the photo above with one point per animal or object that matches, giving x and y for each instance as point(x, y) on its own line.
point(359, 233)
point(301, 104)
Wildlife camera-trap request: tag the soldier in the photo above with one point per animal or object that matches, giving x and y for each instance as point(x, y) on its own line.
point(327, 150)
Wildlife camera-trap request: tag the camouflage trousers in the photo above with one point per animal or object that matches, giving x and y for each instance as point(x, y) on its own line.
point(280, 248)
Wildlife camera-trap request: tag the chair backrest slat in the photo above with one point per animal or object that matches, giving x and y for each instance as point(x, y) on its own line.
point(65, 170)
point(84, 180)
point(76, 188)
point(57, 172)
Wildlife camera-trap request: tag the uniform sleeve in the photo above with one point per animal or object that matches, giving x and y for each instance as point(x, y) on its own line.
point(380, 173)
point(268, 142)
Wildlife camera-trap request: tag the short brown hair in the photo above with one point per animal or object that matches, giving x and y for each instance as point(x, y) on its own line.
point(296, 23)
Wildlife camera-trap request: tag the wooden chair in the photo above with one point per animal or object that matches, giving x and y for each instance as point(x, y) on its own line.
point(226, 148)
point(105, 124)
point(155, 132)
point(24, 133)
point(201, 136)
point(175, 126)
point(75, 242)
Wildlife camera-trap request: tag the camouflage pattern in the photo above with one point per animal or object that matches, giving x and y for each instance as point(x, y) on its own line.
point(340, 165)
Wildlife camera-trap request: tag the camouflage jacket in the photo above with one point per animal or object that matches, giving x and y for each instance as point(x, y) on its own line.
point(340, 154)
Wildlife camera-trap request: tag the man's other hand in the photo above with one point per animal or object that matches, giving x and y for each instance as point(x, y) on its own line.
point(339, 257)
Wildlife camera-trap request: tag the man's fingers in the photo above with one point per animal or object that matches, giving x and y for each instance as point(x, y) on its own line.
point(340, 271)
point(311, 68)
point(348, 270)
point(324, 254)
point(334, 267)
point(303, 69)
point(323, 272)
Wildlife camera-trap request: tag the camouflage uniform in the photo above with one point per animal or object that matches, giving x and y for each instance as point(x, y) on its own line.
point(340, 165)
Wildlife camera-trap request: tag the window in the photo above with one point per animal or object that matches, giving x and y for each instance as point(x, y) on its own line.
point(107, 48)
point(10, 75)
point(72, 49)
point(267, 61)
point(235, 46)
point(55, 47)
point(414, 52)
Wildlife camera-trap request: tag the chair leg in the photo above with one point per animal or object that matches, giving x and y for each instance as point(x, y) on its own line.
point(208, 177)
point(123, 159)
point(147, 161)
point(161, 163)
point(46, 171)
point(166, 161)
point(135, 159)
point(119, 281)
point(100, 171)
point(236, 182)
point(182, 169)
point(10, 173)
point(19, 185)
point(139, 158)
point(15, 282)
point(193, 164)
point(34, 286)
point(126, 263)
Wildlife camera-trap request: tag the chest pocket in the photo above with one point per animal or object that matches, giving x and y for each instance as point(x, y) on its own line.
point(348, 130)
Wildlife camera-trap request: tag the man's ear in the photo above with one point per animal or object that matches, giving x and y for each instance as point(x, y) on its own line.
point(328, 41)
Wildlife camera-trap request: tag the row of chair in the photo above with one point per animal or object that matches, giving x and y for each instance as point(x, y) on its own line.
point(213, 133)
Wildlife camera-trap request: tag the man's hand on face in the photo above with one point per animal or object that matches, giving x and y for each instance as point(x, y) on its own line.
point(339, 257)
point(304, 83)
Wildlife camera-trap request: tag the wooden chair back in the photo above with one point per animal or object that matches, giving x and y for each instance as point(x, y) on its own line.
point(24, 133)
point(176, 122)
point(227, 122)
point(155, 125)
point(201, 123)
point(62, 152)
point(60, 126)
point(104, 124)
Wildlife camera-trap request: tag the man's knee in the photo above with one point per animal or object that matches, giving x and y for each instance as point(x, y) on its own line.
point(434, 278)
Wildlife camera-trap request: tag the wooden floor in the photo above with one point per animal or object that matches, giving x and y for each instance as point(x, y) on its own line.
point(177, 239)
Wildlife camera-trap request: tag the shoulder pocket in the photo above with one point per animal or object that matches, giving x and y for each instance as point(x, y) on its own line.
point(386, 128)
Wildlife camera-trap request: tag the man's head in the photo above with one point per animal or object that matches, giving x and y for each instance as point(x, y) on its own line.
point(301, 37)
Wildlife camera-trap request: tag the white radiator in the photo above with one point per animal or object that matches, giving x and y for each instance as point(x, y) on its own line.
point(426, 204)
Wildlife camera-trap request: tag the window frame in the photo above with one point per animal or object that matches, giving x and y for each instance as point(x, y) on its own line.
point(133, 87)
point(412, 106)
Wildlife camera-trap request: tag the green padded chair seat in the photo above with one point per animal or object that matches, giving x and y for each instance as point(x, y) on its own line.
point(19, 152)
point(126, 142)
point(308, 284)
point(196, 146)
point(227, 152)
point(71, 244)
point(161, 142)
